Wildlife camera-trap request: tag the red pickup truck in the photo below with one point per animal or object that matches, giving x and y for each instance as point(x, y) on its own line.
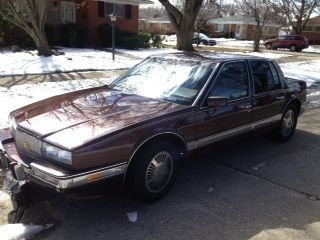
point(292, 42)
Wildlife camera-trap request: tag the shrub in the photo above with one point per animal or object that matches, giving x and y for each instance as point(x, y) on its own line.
point(73, 35)
point(51, 34)
point(145, 38)
point(12, 35)
point(131, 42)
point(105, 35)
point(156, 40)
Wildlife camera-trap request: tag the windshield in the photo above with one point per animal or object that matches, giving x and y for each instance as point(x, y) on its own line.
point(174, 80)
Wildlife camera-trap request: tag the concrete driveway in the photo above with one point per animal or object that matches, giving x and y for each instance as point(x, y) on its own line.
point(251, 189)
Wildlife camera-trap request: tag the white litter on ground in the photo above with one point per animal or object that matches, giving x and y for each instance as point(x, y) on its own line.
point(132, 216)
point(21, 231)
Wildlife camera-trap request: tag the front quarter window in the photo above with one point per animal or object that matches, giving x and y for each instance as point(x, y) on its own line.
point(170, 79)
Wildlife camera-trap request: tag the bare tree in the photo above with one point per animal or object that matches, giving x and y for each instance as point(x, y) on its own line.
point(30, 16)
point(297, 12)
point(183, 21)
point(260, 10)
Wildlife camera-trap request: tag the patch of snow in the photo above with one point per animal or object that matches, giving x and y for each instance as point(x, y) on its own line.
point(21, 95)
point(132, 216)
point(312, 49)
point(73, 60)
point(4, 196)
point(19, 231)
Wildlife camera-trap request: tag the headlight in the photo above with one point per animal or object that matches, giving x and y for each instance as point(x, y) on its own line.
point(56, 154)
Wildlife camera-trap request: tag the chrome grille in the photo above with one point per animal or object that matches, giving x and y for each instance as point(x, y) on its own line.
point(28, 144)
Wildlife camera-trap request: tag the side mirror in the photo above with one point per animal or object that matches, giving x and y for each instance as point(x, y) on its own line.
point(217, 101)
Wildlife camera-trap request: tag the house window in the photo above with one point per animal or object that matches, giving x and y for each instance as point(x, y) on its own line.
point(220, 28)
point(118, 9)
point(68, 12)
point(307, 28)
point(317, 28)
point(121, 10)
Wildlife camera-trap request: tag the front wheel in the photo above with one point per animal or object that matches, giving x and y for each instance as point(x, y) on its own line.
point(288, 124)
point(153, 172)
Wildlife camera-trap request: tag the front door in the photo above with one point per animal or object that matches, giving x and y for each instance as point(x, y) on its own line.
point(216, 123)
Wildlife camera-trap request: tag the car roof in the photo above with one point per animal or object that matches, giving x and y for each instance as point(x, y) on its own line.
point(207, 56)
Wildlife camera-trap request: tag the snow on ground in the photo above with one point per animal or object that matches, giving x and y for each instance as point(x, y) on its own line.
point(147, 52)
point(21, 95)
point(308, 71)
point(73, 60)
point(20, 231)
point(270, 55)
point(312, 49)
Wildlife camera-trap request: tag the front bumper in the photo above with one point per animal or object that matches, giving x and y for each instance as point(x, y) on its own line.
point(60, 179)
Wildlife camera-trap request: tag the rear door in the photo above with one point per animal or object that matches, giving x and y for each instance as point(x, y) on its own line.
point(216, 123)
point(268, 93)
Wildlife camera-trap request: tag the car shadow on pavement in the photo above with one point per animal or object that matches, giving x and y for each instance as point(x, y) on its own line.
point(250, 189)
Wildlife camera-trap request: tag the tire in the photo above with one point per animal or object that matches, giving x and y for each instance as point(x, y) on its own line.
point(288, 124)
point(269, 46)
point(153, 172)
point(293, 48)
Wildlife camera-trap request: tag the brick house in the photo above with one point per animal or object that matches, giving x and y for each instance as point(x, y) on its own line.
point(91, 14)
point(312, 30)
point(239, 27)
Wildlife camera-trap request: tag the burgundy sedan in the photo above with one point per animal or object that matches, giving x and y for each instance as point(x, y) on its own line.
point(139, 129)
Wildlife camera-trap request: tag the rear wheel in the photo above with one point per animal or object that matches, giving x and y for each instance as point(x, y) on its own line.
point(153, 172)
point(288, 124)
point(269, 46)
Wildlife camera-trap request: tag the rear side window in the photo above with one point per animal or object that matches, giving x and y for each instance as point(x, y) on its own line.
point(265, 77)
point(276, 78)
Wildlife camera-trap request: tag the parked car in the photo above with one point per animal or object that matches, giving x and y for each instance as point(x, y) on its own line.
point(139, 129)
point(203, 39)
point(292, 42)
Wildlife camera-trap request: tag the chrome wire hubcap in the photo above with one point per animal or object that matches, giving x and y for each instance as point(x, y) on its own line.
point(287, 122)
point(159, 172)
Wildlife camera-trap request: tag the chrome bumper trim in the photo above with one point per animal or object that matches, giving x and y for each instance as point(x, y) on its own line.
point(77, 180)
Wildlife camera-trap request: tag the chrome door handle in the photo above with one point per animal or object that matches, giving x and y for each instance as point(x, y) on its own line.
point(245, 107)
point(280, 98)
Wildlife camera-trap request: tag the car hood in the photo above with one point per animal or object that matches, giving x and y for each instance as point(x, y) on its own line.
point(73, 119)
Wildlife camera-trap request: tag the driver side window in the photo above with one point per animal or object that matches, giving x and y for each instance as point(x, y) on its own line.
point(232, 82)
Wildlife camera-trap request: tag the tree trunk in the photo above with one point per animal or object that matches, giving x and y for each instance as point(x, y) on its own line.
point(257, 38)
point(184, 39)
point(43, 46)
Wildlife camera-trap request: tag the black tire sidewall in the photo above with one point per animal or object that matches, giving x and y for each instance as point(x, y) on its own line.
point(280, 135)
